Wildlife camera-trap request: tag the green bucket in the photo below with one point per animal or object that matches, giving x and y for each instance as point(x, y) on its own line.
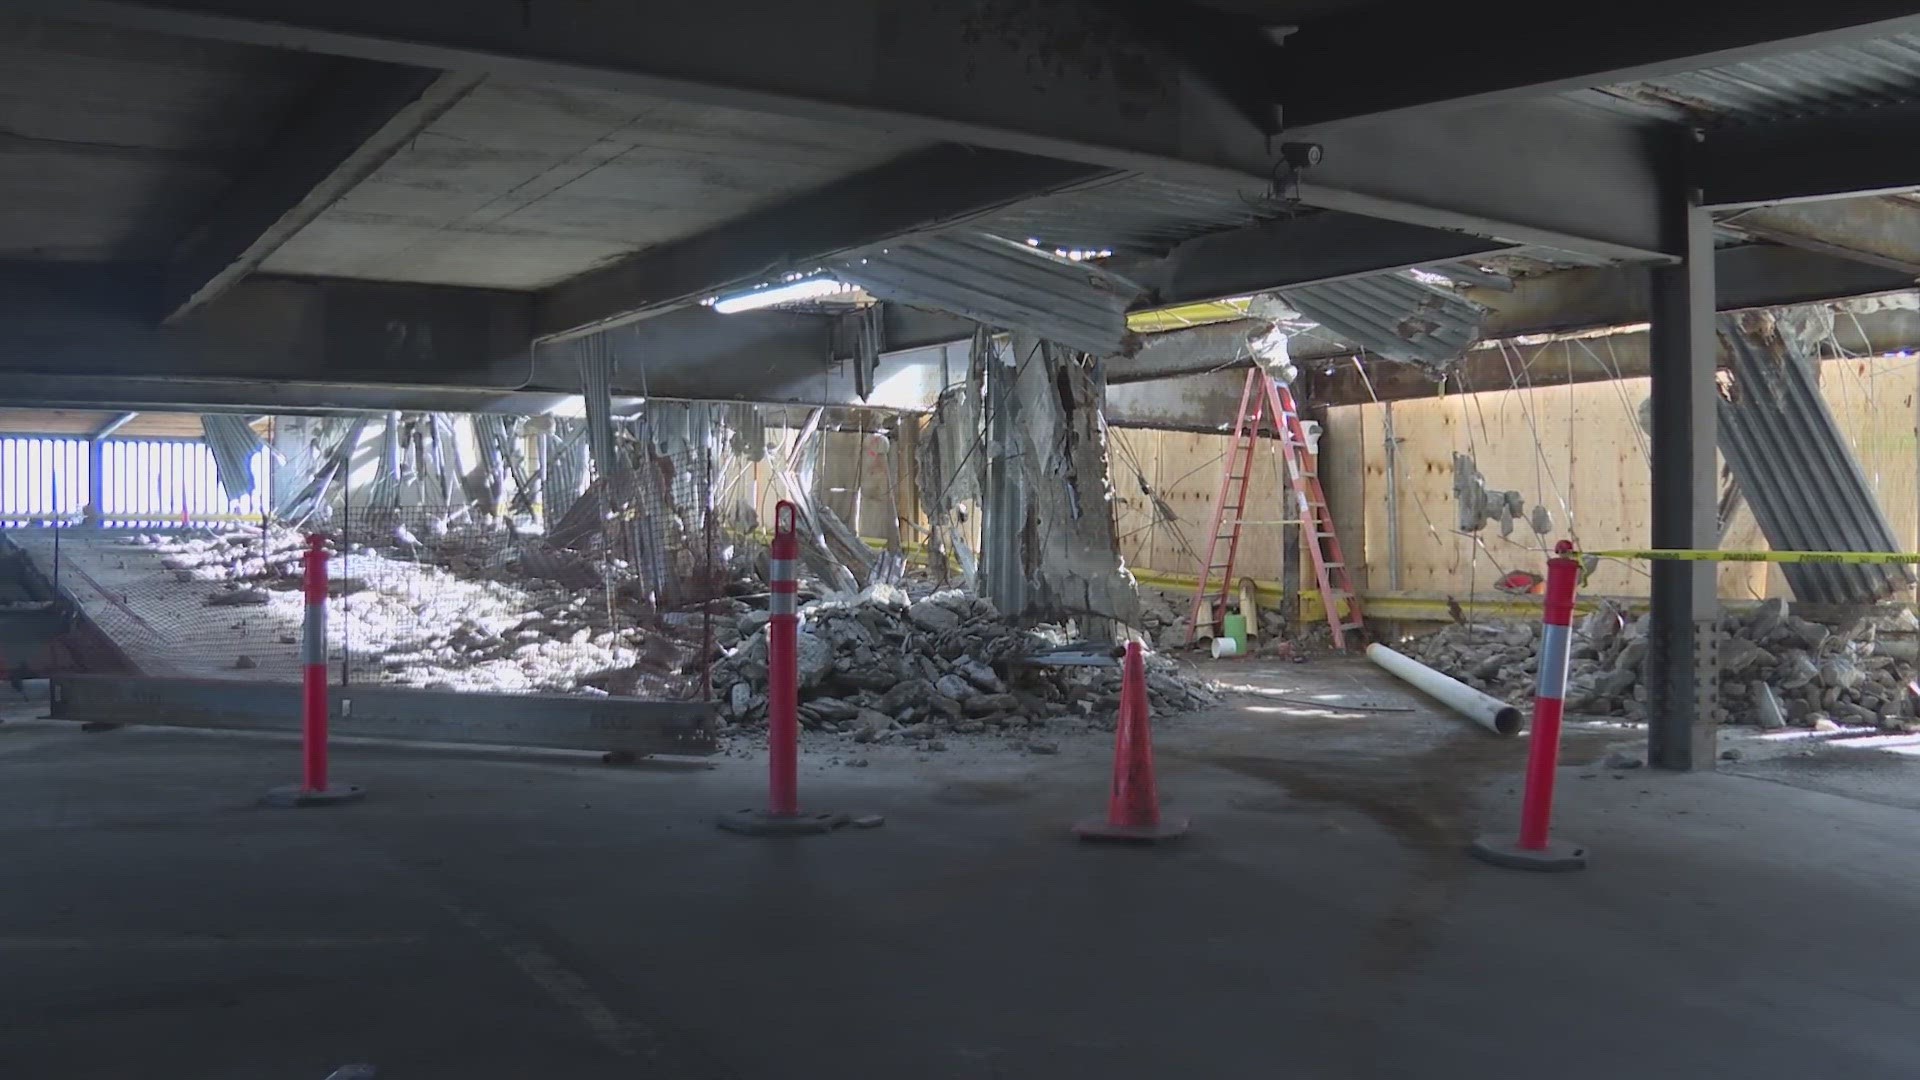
point(1235, 627)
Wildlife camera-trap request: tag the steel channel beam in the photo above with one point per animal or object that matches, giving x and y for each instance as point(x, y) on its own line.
point(1682, 674)
point(553, 721)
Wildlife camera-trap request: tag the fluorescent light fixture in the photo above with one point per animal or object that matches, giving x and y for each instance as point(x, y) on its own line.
point(805, 289)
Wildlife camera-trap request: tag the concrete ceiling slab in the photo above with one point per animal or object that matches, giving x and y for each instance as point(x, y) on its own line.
point(111, 141)
point(523, 185)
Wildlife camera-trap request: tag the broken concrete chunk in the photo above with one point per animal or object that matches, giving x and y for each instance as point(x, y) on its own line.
point(1839, 673)
point(953, 686)
point(933, 617)
point(1798, 670)
point(986, 704)
point(1738, 655)
point(980, 675)
point(871, 726)
point(904, 695)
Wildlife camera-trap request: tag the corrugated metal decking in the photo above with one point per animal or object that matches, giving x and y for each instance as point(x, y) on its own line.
point(1822, 82)
point(1790, 457)
point(1004, 284)
point(1392, 315)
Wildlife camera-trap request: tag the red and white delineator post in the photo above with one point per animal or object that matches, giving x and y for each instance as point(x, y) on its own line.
point(782, 817)
point(314, 788)
point(1535, 849)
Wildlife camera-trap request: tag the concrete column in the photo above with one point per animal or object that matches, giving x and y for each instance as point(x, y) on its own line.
point(1682, 651)
point(1049, 551)
point(1004, 502)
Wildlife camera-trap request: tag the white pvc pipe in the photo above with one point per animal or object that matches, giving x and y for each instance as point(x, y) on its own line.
point(1489, 712)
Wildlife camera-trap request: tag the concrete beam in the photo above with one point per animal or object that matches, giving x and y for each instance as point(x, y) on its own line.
point(1566, 361)
point(941, 185)
point(357, 117)
point(1205, 402)
point(1194, 351)
point(73, 325)
point(1563, 301)
point(1745, 277)
point(1429, 59)
point(1176, 91)
point(1877, 230)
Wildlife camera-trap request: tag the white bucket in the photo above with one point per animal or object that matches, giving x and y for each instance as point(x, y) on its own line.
point(1224, 647)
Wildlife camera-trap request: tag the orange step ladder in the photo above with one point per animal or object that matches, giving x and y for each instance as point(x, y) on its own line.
point(1265, 400)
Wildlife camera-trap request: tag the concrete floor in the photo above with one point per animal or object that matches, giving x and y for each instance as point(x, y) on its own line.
point(510, 915)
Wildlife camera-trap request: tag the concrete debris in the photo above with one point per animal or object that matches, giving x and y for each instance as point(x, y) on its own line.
point(1776, 669)
point(1477, 504)
point(465, 607)
point(884, 669)
point(1624, 759)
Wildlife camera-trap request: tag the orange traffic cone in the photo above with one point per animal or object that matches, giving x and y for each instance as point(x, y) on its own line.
point(1133, 808)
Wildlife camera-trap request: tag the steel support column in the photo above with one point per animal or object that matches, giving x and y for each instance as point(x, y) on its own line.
point(1682, 674)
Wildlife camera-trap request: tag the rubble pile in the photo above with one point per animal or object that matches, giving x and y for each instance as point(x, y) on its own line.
point(464, 609)
point(885, 665)
point(1776, 669)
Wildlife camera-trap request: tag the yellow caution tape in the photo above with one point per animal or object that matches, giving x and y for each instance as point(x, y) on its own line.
point(1684, 555)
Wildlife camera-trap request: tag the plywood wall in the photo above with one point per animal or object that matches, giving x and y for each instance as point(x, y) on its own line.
point(1185, 470)
point(1577, 449)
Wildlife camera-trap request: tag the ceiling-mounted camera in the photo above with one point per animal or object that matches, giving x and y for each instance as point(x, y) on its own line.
point(1301, 155)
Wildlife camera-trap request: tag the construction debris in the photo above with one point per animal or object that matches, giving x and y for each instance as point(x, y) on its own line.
point(886, 665)
point(1775, 668)
point(455, 607)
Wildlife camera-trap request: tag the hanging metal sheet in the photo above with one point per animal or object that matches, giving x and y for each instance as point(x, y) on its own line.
point(233, 443)
point(1791, 459)
point(1005, 284)
point(1392, 315)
